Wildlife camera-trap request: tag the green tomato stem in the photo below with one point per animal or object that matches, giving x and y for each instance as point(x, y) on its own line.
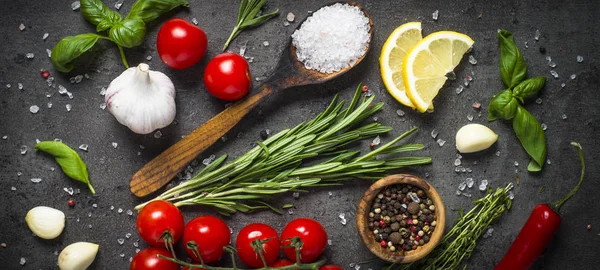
point(122, 52)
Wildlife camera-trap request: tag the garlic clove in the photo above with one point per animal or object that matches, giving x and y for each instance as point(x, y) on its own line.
point(142, 99)
point(45, 222)
point(474, 137)
point(77, 256)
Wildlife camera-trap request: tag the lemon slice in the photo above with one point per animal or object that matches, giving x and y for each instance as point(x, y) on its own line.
point(395, 48)
point(427, 63)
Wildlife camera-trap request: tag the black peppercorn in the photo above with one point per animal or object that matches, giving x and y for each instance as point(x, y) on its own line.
point(542, 50)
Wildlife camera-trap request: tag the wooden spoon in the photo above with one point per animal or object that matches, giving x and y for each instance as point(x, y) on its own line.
point(289, 73)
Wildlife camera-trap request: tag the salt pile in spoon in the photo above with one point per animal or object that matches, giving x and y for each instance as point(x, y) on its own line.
point(333, 38)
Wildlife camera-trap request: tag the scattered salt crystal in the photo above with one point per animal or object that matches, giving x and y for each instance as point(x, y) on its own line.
point(68, 106)
point(554, 74)
point(136, 243)
point(562, 85)
point(23, 149)
point(128, 235)
point(5, 137)
point(538, 101)
point(462, 185)
point(224, 138)
point(457, 162)
point(472, 60)
point(114, 144)
point(157, 134)
point(469, 117)
point(526, 45)
point(62, 90)
point(551, 64)
point(95, 205)
point(286, 23)
point(30, 55)
point(34, 109)
point(579, 59)
point(290, 211)
point(511, 195)
point(36, 180)
point(87, 77)
point(75, 5)
point(548, 58)
point(290, 17)
point(84, 147)
point(435, 15)
point(333, 38)
point(78, 78)
point(70, 95)
point(112, 207)
point(563, 116)
point(195, 21)
point(103, 105)
point(330, 194)
point(265, 43)
point(103, 91)
point(57, 140)
point(90, 226)
point(548, 162)
point(458, 193)
point(122, 255)
point(460, 88)
point(118, 4)
point(516, 163)
point(537, 34)
point(19, 173)
point(13, 188)
point(342, 217)
point(329, 242)
point(129, 212)
point(296, 195)
point(377, 140)
point(441, 142)
point(400, 112)
point(483, 185)
point(243, 48)
point(488, 233)
point(120, 211)
point(21, 27)
point(68, 190)
point(89, 214)
point(413, 196)
point(49, 105)
point(206, 161)
point(468, 195)
point(23, 261)
point(573, 76)
point(20, 86)
point(469, 181)
point(121, 241)
point(8, 85)
point(434, 133)
point(544, 126)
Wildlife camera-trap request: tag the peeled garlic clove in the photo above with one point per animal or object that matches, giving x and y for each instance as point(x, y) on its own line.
point(474, 137)
point(45, 222)
point(77, 256)
point(141, 99)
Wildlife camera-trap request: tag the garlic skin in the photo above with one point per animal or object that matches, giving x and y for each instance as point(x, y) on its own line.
point(45, 222)
point(142, 99)
point(77, 256)
point(474, 137)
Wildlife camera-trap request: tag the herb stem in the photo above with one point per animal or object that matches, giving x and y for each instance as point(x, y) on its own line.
point(233, 35)
point(122, 52)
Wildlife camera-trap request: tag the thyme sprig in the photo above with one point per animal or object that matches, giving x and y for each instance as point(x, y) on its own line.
point(274, 166)
point(247, 17)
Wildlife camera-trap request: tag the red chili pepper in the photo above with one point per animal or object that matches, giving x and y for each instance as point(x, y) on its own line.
point(538, 230)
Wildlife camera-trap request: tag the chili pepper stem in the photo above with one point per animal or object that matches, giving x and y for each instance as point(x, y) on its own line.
point(557, 205)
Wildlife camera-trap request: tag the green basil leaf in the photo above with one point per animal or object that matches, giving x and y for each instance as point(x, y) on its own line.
point(149, 10)
point(512, 64)
point(70, 48)
point(534, 166)
point(128, 33)
point(95, 12)
point(530, 133)
point(68, 159)
point(529, 87)
point(503, 105)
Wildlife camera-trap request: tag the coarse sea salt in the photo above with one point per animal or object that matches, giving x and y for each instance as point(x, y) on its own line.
point(333, 38)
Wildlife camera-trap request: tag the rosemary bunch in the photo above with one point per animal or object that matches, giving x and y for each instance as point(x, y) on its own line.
point(458, 244)
point(248, 16)
point(274, 165)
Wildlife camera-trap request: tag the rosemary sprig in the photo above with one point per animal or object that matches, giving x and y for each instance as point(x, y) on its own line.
point(247, 18)
point(458, 244)
point(274, 165)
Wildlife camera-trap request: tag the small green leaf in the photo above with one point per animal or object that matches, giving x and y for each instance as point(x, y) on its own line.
point(530, 133)
point(128, 33)
point(508, 203)
point(149, 10)
point(70, 48)
point(286, 206)
point(529, 87)
point(503, 106)
point(512, 64)
point(70, 162)
point(95, 12)
point(534, 166)
point(461, 213)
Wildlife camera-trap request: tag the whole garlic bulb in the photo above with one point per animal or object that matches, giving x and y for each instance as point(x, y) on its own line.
point(142, 99)
point(77, 256)
point(474, 137)
point(45, 222)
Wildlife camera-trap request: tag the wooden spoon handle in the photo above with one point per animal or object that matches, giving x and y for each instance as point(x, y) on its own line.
point(165, 166)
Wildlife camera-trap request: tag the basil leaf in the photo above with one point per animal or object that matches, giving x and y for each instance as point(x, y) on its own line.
point(149, 10)
point(95, 12)
point(530, 133)
point(128, 33)
point(68, 159)
point(529, 87)
point(533, 166)
point(512, 64)
point(70, 48)
point(503, 105)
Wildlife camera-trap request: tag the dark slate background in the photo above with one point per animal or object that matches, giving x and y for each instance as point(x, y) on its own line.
point(568, 29)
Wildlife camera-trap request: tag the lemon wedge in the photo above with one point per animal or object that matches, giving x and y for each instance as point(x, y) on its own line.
point(426, 65)
point(394, 50)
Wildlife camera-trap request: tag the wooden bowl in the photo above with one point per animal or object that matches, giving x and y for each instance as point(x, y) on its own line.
point(362, 219)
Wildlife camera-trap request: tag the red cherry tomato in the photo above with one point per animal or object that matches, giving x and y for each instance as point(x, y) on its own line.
point(180, 44)
point(210, 234)
point(281, 263)
point(156, 218)
point(312, 234)
point(254, 231)
point(330, 267)
point(147, 260)
point(188, 268)
point(227, 76)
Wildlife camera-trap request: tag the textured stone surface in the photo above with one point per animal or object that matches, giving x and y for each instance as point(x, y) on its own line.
point(567, 29)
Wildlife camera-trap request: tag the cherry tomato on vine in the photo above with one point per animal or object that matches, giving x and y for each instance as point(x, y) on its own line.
point(281, 263)
point(227, 76)
point(330, 267)
point(180, 44)
point(156, 218)
point(312, 234)
point(211, 234)
point(147, 260)
point(254, 231)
